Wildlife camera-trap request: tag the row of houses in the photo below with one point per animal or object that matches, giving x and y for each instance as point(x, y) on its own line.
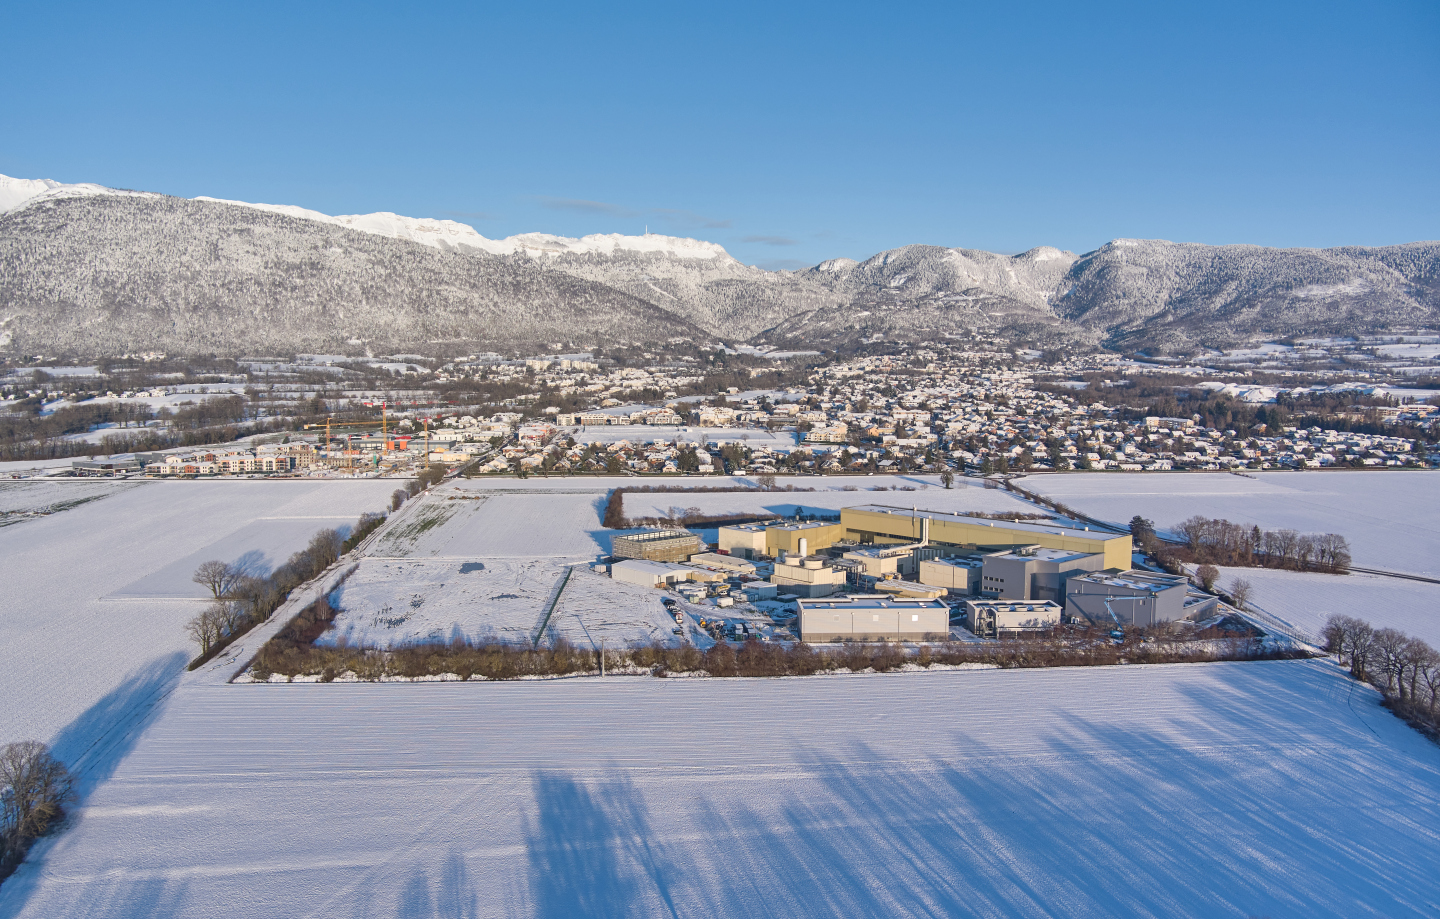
point(265, 459)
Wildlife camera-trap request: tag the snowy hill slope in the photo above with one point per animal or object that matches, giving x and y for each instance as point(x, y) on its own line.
point(106, 282)
point(1160, 294)
point(919, 291)
point(105, 274)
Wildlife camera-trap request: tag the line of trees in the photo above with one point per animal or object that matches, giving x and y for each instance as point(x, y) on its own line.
point(34, 791)
point(296, 655)
point(25, 434)
point(1404, 668)
point(1220, 542)
point(242, 599)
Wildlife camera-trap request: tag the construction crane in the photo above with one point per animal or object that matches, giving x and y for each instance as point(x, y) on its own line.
point(384, 429)
point(384, 424)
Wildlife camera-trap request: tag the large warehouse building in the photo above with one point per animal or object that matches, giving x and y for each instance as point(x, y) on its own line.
point(880, 525)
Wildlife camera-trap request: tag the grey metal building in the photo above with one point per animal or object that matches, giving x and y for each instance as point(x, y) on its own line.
point(1139, 598)
point(873, 617)
point(1010, 618)
point(1034, 572)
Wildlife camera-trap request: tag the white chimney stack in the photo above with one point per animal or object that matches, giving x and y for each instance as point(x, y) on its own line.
point(804, 546)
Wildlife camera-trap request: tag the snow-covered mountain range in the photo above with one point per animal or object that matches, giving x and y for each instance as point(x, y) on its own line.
point(90, 270)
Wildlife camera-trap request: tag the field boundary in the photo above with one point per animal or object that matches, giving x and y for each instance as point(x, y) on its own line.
point(554, 604)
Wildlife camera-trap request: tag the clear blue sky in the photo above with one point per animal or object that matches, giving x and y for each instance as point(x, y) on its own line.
point(788, 132)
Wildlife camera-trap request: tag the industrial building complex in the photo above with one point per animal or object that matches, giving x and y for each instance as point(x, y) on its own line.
point(910, 574)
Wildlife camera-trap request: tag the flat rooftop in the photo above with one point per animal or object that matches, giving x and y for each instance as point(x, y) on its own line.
point(1047, 555)
point(1136, 580)
point(955, 562)
point(657, 535)
point(871, 601)
point(1053, 529)
point(642, 564)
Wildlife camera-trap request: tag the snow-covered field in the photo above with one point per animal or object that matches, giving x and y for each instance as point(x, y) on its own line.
point(1392, 519)
point(394, 602)
point(1263, 789)
point(963, 498)
point(47, 497)
point(1305, 600)
point(95, 597)
point(469, 520)
point(469, 561)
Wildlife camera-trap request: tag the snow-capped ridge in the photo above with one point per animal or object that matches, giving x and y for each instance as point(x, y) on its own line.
point(444, 234)
point(538, 244)
point(17, 193)
point(1046, 254)
point(427, 231)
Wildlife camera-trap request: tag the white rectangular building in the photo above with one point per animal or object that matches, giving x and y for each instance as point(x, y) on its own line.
point(650, 574)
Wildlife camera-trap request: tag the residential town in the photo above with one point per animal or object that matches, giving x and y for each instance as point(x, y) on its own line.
point(978, 410)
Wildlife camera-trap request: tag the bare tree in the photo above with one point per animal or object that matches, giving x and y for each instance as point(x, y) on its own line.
point(1389, 661)
point(217, 577)
point(34, 789)
point(1207, 575)
point(231, 615)
point(206, 628)
point(398, 498)
point(325, 548)
point(1415, 658)
point(766, 481)
point(1284, 544)
point(1335, 553)
point(1362, 640)
point(1430, 675)
point(1338, 632)
point(1240, 591)
point(1194, 531)
point(1307, 550)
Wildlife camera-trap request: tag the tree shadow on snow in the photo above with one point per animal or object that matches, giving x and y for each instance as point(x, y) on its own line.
point(93, 746)
point(590, 851)
point(95, 742)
